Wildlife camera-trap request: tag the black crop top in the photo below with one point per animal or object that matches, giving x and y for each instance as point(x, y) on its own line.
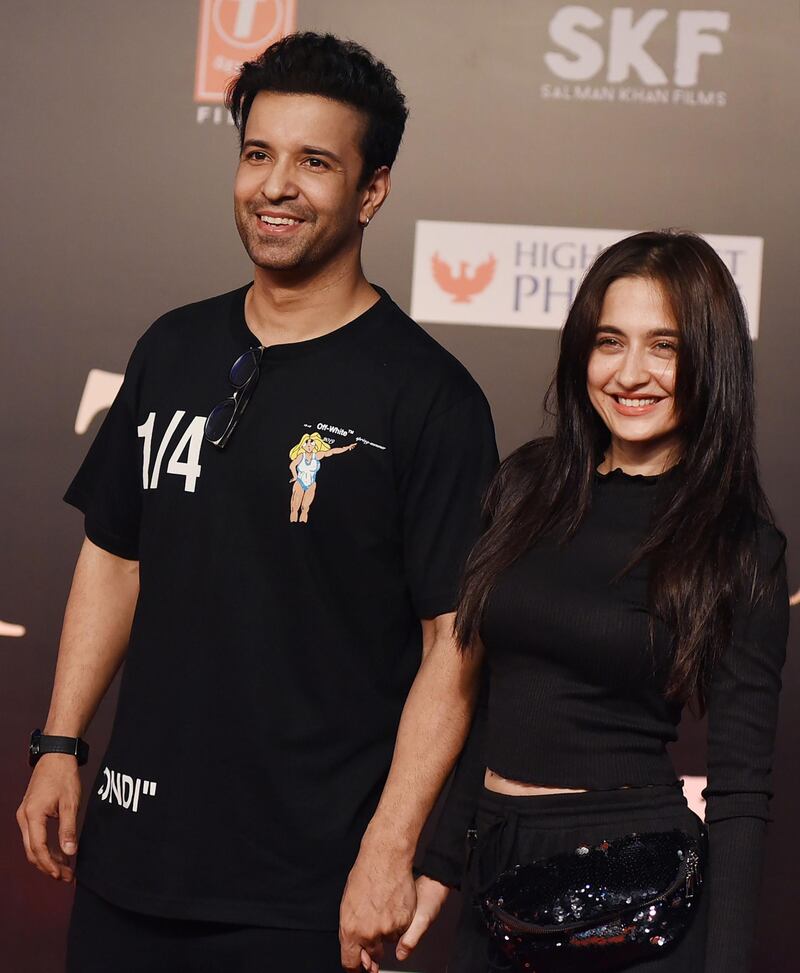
point(575, 699)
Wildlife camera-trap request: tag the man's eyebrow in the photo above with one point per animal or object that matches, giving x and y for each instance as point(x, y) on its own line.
point(314, 150)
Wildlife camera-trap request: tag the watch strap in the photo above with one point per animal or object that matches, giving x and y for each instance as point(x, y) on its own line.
point(42, 744)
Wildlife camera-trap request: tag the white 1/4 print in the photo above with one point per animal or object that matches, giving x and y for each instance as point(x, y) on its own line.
point(190, 442)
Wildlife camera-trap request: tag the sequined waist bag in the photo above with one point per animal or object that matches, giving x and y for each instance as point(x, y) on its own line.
point(598, 908)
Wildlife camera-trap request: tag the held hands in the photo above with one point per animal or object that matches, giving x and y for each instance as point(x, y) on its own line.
point(378, 903)
point(383, 902)
point(54, 791)
point(431, 896)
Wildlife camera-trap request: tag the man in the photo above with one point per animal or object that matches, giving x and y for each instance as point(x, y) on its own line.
point(276, 510)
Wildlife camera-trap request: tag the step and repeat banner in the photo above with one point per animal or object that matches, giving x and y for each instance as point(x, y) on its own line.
point(540, 132)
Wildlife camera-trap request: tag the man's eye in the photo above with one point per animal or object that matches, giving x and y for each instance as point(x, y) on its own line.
point(256, 155)
point(314, 163)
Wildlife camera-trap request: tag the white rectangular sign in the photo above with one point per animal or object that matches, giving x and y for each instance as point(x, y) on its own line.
point(527, 276)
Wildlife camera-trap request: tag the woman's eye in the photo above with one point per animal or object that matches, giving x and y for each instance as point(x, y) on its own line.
point(256, 155)
point(605, 342)
point(666, 347)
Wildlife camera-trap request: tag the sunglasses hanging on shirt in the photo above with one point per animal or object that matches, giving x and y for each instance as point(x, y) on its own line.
point(243, 377)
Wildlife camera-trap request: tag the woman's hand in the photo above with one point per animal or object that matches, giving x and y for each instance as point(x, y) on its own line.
point(431, 896)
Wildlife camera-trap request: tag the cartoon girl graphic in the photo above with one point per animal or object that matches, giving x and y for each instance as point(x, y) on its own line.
point(305, 458)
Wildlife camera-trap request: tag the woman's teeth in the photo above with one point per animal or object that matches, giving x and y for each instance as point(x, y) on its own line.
point(634, 403)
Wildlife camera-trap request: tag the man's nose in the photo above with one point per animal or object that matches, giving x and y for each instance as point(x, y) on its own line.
point(279, 182)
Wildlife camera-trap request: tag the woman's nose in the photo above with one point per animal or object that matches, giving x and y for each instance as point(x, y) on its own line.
point(633, 369)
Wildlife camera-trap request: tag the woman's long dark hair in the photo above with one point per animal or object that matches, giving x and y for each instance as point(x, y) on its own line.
point(702, 540)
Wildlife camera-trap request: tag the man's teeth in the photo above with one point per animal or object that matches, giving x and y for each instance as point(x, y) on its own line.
point(634, 403)
point(279, 220)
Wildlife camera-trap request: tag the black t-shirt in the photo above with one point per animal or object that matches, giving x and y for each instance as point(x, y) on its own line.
point(282, 580)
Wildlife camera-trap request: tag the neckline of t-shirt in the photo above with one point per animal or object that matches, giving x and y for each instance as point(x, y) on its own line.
point(300, 349)
point(618, 475)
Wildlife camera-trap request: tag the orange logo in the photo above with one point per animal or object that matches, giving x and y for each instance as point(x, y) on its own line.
point(465, 286)
point(233, 31)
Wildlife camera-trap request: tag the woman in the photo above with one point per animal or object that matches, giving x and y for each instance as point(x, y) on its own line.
point(305, 458)
point(630, 566)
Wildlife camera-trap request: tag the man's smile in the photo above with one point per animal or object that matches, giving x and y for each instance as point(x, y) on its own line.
point(272, 224)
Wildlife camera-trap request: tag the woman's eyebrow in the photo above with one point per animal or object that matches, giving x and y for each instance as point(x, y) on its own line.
point(652, 333)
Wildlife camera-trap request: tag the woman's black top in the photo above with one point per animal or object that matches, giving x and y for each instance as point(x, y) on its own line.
point(576, 698)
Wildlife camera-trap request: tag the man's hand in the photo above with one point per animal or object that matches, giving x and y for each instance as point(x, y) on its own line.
point(379, 903)
point(94, 639)
point(54, 791)
point(380, 899)
point(431, 896)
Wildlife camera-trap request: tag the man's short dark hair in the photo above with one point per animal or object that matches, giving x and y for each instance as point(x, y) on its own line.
point(321, 64)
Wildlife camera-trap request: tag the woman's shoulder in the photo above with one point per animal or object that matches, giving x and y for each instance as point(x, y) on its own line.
point(516, 473)
point(763, 567)
point(770, 544)
point(529, 457)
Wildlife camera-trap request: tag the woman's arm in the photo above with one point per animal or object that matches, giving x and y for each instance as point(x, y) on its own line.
point(742, 717)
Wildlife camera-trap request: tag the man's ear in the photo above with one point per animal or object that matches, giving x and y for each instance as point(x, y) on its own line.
point(375, 192)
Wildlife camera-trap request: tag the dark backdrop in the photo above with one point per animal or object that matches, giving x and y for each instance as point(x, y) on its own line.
point(117, 206)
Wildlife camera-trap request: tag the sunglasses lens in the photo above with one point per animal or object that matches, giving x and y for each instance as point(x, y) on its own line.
point(243, 369)
point(219, 420)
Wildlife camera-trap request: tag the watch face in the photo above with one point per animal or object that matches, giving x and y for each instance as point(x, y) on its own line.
point(33, 750)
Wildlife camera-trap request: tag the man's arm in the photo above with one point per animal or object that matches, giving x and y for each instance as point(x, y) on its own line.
point(94, 639)
point(380, 898)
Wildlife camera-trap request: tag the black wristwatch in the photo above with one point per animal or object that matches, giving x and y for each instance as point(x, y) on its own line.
point(41, 745)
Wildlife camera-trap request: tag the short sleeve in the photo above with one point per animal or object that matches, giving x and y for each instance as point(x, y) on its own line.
point(455, 458)
point(107, 487)
point(742, 718)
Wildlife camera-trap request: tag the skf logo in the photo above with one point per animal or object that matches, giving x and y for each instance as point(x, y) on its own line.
point(233, 31)
point(125, 791)
point(649, 50)
point(466, 285)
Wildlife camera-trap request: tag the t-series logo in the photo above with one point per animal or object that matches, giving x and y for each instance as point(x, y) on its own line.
point(616, 52)
point(230, 32)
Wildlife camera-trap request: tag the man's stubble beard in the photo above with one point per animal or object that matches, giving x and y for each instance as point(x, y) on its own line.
point(284, 255)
